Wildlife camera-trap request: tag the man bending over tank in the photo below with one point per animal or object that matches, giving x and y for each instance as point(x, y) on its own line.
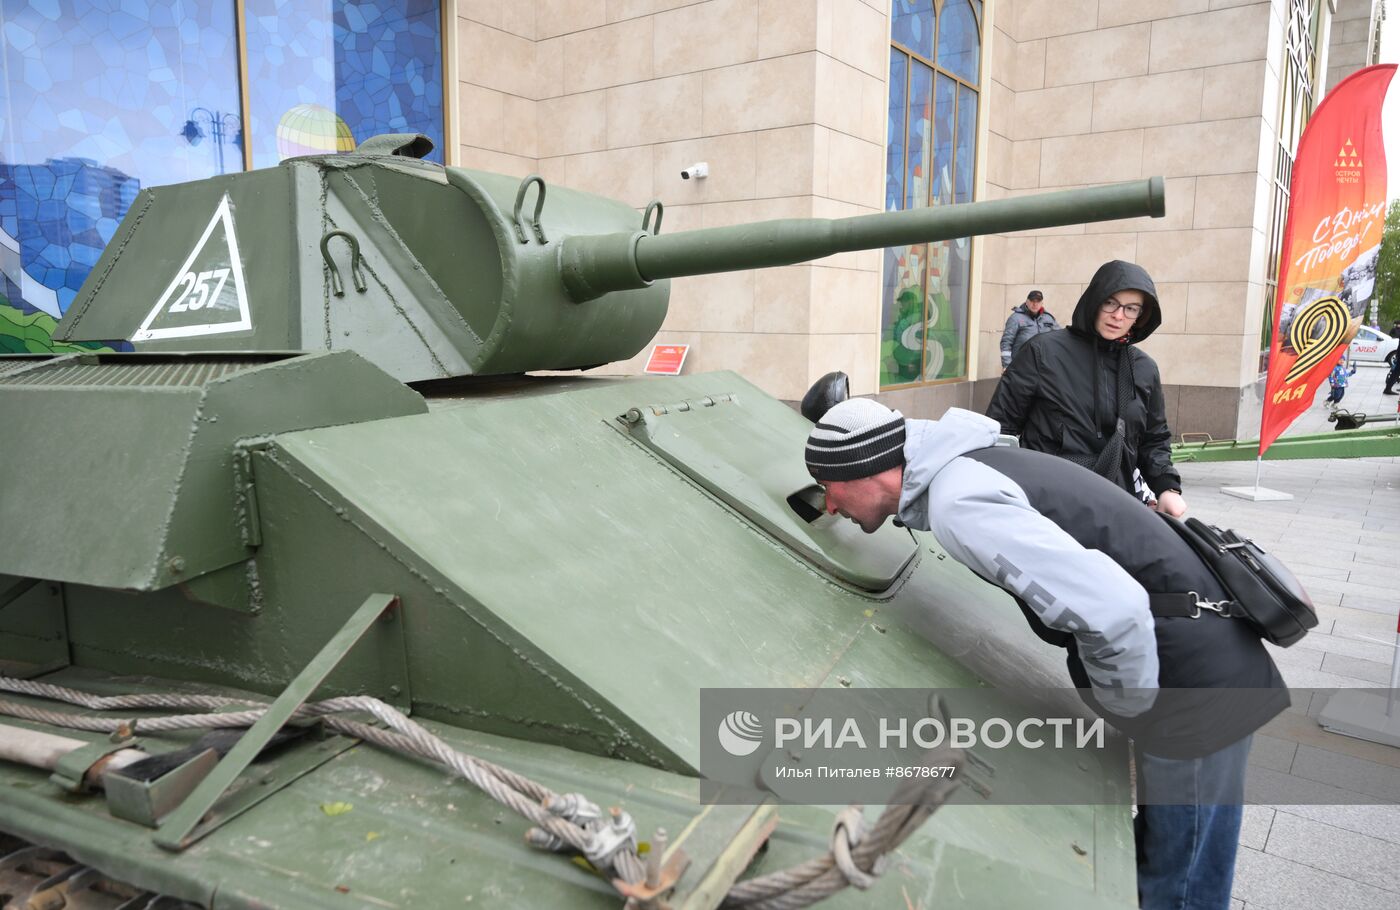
point(1082, 557)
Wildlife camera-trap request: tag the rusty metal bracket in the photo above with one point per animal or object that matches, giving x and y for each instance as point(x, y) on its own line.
point(539, 207)
point(653, 893)
point(357, 268)
point(71, 772)
point(146, 802)
point(178, 831)
point(653, 206)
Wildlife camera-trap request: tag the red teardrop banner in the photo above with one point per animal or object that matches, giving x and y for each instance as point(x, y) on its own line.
point(1331, 242)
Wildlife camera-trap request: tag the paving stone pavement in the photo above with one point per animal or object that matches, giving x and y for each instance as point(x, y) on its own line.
point(1341, 535)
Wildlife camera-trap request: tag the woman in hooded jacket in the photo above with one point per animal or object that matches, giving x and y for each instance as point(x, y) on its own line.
point(1088, 394)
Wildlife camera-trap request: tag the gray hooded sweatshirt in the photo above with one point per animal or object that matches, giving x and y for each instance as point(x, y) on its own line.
point(986, 522)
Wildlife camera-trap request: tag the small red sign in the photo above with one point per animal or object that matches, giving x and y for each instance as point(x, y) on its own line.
point(667, 359)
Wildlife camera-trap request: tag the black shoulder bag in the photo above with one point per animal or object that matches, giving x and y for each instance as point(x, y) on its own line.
point(1262, 590)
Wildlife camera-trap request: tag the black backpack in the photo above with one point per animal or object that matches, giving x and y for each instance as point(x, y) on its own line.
point(1263, 591)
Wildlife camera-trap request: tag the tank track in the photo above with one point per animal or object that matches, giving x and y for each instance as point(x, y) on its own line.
point(38, 878)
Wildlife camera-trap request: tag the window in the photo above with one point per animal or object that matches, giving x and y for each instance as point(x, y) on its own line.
point(935, 65)
point(330, 73)
point(1297, 88)
point(100, 99)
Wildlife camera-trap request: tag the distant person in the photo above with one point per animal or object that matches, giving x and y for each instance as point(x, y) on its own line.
point(1026, 321)
point(1394, 375)
point(1090, 395)
point(1337, 379)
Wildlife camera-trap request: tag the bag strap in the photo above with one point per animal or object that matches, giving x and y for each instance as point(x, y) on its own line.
point(1189, 606)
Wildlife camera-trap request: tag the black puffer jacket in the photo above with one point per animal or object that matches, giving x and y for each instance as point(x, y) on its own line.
point(1060, 393)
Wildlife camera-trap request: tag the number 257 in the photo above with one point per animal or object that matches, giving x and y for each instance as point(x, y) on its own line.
point(199, 284)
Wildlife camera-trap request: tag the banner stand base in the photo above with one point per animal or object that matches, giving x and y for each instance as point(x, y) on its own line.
point(1256, 494)
point(1360, 714)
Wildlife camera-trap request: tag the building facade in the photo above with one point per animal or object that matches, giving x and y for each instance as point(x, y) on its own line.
point(800, 108)
point(1354, 38)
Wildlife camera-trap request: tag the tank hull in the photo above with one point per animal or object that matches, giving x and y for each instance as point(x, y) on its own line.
point(562, 622)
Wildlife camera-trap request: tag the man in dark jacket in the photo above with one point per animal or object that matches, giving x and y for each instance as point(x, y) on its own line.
point(1089, 395)
point(1093, 572)
point(1025, 322)
point(1394, 375)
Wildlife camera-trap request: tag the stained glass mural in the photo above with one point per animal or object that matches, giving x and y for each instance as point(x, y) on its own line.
point(945, 340)
point(911, 24)
point(99, 98)
point(291, 65)
point(902, 315)
point(894, 137)
point(929, 161)
point(967, 135)
point(327, 74)
point(958, 44)
point(941, 191)
point(920, 138)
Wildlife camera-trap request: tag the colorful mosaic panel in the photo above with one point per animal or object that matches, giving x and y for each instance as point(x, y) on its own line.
point(328, 73)
point(291, 71)
point(911, 24)
point(902, 315)
point(958, 44)
point(941, 192)
point(967, 135)
point(98, 99)
point(930, 157)
point(894, 139)
point(920, 141)
point(945, 333)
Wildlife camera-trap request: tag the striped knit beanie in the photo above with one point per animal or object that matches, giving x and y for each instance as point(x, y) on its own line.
point(857, 438)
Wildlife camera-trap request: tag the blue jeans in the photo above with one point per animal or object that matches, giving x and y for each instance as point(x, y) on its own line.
point(1188, 828)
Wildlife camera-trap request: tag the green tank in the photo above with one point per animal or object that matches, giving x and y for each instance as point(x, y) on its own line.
point(322, 472)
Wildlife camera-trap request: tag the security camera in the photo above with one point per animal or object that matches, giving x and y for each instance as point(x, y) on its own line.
point(699, 170)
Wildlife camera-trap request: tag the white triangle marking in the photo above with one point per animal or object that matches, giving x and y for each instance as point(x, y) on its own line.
point(224, 214)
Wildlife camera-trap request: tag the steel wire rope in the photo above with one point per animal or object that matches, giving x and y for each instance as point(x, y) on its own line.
point(855, 858)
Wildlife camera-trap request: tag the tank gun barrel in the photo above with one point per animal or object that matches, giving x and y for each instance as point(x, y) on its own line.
point(594, 265)
point(364, 262)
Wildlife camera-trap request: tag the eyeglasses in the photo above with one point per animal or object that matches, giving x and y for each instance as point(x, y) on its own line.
point(1131, 310)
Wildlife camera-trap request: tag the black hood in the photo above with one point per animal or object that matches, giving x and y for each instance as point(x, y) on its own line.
point(1111, 278)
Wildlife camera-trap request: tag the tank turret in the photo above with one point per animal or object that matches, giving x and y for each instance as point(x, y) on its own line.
point(432, 272)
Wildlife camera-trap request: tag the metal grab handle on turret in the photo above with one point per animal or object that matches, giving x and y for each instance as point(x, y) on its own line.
point(656, 207)
point(539, 207)
point(357, 272)
point(595, 265)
